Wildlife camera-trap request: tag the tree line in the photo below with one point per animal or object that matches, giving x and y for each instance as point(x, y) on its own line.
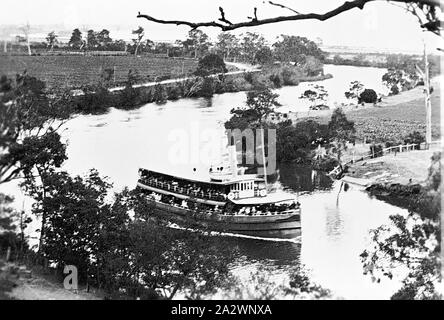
point(248, 47)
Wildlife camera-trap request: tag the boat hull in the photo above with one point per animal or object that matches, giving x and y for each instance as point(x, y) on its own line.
point(270, 226)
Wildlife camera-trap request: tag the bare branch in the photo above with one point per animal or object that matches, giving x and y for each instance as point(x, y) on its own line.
point(282, 6)
point(222, 16)
point(254, 21)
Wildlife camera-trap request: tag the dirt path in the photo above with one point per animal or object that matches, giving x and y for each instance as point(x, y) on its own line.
point(404, 168)
point(243, 68)
point(26, 285)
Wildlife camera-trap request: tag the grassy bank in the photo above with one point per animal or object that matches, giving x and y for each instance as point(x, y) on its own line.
point(100, 99)
point(404, 167)
point(394, 118)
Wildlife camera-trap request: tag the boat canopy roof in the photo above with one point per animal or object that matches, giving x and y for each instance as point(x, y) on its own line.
point(274, 197)
point(200, 179)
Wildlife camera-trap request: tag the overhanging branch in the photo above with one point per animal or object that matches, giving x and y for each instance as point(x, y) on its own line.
point(227, 25)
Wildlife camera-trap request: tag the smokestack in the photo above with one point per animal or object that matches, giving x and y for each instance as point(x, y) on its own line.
point(233, 160)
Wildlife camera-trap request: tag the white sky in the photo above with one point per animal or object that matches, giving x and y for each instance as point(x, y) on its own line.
point(380, 24)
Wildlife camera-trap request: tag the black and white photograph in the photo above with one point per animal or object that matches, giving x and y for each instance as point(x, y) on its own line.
point(220, 153)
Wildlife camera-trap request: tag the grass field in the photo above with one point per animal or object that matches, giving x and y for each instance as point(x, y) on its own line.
point(396, 121)
point(395, 118)
point(75, 71)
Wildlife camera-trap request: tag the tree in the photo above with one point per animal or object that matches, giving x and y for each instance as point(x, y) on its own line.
point(316, 95)
point(91, 39)
point(295, 49)
point(411, 243)
point(260, 104)
point(76, 39)
point(397, 80)
point(51, 39)
point(139, 33)
point(73, 211)
point(264, 56)
point(251, 43)
point(296, 142)
point(28, 122)
point(341, 132)
point(354, 90)
point(198, 41)
point(210, 64)
point(103, 39)
point(368, 96)
point(26, 29)
point(428, 13)
point(227, 45)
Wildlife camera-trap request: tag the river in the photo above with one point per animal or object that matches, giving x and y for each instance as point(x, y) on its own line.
point(179, 136)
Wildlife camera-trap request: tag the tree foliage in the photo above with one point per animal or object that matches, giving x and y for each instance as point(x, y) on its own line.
point(409, 247)
point(28, 122)
point(76, 39)
point(317, 95)
point(341, 131)
point(368, 96)
point(296, 49)
point(210, 64)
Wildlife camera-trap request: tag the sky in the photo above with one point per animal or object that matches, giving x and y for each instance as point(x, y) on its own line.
point(380, 24)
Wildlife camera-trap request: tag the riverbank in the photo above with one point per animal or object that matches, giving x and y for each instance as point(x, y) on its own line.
point(390, 120)
point(410, 167)
point(100, 100)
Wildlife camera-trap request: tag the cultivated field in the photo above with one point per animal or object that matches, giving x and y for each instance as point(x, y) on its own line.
point(397, 121)
point(76, 71)
point(394, 118)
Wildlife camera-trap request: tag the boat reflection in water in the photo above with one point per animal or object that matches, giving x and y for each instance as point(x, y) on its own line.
point(228, 201)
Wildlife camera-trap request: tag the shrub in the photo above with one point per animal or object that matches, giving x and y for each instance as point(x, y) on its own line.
point(237, 84)
point(415, 137)
point(207, 88)
point(376, 150)
point(276, 80)
point(290, 76)
point(248, 76)
point(173, 92)
point(210, 64)
point(368, 96)
point(159, 95)
point(326, 164)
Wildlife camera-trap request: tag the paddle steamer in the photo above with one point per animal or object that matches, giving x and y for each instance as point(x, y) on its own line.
point(228, 200)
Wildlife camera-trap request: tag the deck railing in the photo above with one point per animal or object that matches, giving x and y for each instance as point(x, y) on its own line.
point(181, 190)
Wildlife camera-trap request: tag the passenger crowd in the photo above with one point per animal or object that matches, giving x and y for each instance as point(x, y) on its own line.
point(185, 188)
point(232, 210)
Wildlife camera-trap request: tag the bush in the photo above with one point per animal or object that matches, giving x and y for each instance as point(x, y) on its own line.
point(159, 95)
point(248, 76)
point(173, 92)
point(210, 64)
point(290, 76)
point(368, 96)
point(236, 84)
point(207, 88)
point(325, 164)
point(376, 150)
point(276, 80)
point(415, 137)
